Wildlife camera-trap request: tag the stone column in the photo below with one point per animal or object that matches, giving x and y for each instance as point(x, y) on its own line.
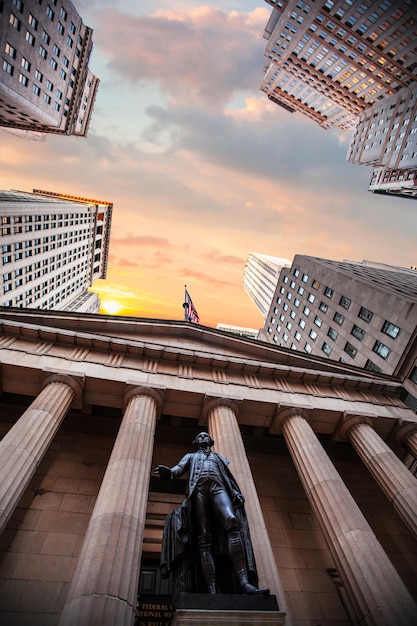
point(224, 429)
point(378, 594)
point(23, 447)
point(396, 481)
point(407, 437)
point(105, 583)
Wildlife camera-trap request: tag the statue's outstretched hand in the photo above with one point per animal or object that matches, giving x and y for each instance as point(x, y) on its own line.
point(163, 471)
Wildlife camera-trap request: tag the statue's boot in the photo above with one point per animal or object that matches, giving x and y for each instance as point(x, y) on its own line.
point(207, 567)
point(239, 565)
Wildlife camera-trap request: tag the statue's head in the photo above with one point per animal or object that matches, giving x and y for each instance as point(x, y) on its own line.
point(203, 439)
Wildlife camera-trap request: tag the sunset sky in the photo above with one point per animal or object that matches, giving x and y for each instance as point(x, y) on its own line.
point(201, 168)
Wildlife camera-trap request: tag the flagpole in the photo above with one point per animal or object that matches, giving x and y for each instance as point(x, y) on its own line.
point(185, 305)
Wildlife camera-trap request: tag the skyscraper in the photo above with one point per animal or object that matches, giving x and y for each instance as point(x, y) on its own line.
point(46, 85)
point(363, 314)
point(260, 278)
point(52, 248)
point(351, 65)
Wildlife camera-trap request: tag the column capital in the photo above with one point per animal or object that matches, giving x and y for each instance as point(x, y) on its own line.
point(213, 402)
point(157, 393)
point(403, 431)
point(283, 414)
point(74, 380)
point(348, 421)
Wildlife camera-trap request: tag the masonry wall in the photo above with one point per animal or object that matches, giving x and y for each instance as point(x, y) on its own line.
point(39, 547)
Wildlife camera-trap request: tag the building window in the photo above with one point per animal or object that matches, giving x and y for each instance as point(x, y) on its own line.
point(8, 68)
point(36, 90)
point(313, 334)
point(50, 13)
point(23, 80)
point(297, 336)
point(315, 284)
point(370, 365)
point(358, 332)
point(328, 292)
point(311, 298)
point(306, 310)
point(381, 349)
point(296, 273)
point(326, 348)
point(43, 52)
point(323, 307)
point(10, 50)
point(308, 348)
point(332, 333)
point(296, 302)
point(54, 64)
point(390, 329)
point(345, 302)
point(304, 278)
point(365, 314)
point(288, 325)
point(46, 37)
point(302, 324)
point(300, 290)
point(33, 21)
point(14, 21)
point(285, 337)
point(350, 350)
point(339, 318)
point(293, 314)
point(30, 38)
point(61, 28)
point(318, 321)
point(39, 76)
point(57, 51)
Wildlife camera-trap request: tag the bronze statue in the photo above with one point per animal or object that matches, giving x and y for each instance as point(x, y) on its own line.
point(209, 532)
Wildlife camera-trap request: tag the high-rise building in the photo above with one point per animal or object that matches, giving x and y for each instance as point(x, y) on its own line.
point(46, 85)
point(386, 135)
point(402, 183)
point(352, 65)
point(362, 314)
point(323, 453)
point(53, 246)
point(241, 331)
point(260, 278)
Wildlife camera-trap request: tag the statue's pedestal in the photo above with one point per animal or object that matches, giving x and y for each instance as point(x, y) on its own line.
point(200, 609)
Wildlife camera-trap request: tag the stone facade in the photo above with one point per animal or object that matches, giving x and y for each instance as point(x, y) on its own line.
point(90, 404)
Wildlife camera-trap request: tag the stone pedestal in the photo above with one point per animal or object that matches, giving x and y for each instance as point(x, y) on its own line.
point(195, 609)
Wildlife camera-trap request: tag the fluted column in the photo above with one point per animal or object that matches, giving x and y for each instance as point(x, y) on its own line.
point(407, 437)
point(224, 429)
point(396, 481)
point(377, 592)
point(105, 583)
point(23, 447)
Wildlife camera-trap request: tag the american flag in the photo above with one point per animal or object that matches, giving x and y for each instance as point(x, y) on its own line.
point(190, 312)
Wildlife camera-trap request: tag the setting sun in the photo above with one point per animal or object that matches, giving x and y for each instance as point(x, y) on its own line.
point(112, 307)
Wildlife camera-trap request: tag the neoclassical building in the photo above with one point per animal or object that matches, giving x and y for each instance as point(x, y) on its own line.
point(90, 404)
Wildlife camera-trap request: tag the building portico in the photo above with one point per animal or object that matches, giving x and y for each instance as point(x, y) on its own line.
point(171, 376)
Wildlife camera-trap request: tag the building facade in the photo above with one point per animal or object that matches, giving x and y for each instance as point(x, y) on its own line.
point(401, 183)
point(351, 65)
point(260, 278)
point(363, 314)
point(318, 448)
point(46, 85)
point(53, 246)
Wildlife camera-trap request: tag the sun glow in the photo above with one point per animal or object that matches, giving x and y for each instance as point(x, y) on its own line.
point(112, 307)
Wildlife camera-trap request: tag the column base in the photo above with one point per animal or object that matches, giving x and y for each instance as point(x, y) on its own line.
point(200, 609)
